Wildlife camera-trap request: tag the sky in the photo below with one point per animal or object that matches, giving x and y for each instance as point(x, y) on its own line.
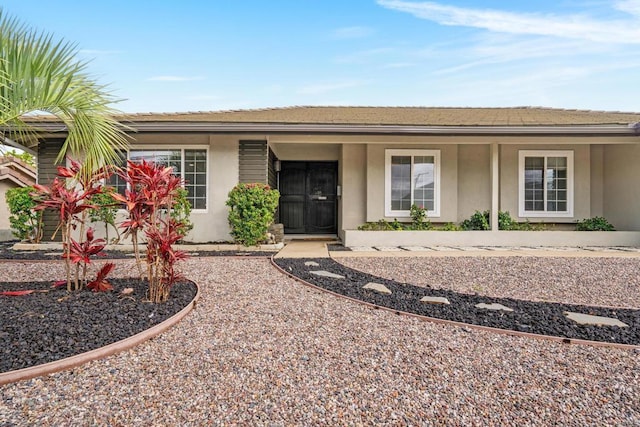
point(195, 55)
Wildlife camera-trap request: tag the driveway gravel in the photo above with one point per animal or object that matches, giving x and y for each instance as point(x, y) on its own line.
point(262, 349)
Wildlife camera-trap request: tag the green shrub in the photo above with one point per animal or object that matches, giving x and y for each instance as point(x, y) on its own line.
point(26, 224)
point(451, 226)
point(253, 207)
point(597, 223)
point(381, 225)
point(181, 212)
point(419, 219)
point(105, 211)
point(477, 221)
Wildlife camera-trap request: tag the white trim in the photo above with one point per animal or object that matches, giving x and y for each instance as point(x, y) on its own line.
point(182, 148)
point(522, 154)
point(435, 213)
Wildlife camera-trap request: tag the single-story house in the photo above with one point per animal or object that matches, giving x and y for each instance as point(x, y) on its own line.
point(14, 173)
point(339, 167)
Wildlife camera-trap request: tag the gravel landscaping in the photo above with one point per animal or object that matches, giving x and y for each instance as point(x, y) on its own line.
point(262, 349)
point(543, 318)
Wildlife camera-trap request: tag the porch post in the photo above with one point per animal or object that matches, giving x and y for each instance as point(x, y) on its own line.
point(495, 185)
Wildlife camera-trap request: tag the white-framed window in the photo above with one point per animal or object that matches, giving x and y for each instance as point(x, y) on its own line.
point(412, 177)
point(545, 182)
point(189, 163)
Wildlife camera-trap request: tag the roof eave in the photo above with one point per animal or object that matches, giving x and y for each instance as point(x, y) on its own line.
point(214, 127)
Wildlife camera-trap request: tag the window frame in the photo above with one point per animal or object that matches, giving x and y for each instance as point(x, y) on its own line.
point(522, 155)
point(182, 164)
point(389, 153)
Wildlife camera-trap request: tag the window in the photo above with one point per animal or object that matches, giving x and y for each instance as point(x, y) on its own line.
point(545, 183)
point(189, 164)
point(412, 177)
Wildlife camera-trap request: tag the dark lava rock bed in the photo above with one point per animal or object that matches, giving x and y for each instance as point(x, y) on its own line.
point(45, 326)
point(527, 316)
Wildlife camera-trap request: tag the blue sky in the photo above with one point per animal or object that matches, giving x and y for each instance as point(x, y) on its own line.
point(195, 55)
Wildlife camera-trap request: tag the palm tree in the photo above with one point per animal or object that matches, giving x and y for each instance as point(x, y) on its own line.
point(41, 75)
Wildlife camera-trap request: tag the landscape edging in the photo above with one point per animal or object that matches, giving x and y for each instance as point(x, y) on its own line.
point(99, 353)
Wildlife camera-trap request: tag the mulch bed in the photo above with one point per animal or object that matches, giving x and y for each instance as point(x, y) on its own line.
point(46, 326)
point(527, 316)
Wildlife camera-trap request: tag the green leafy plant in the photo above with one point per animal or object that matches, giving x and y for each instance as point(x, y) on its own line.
point(252, 209)
point(26, 223)
point(477, 221)
point(451, 226)
point(181, 212)
point(597, 223)
point(419, 219)
point(105, 210)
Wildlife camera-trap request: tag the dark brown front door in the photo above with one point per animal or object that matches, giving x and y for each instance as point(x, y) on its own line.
point(308, 202)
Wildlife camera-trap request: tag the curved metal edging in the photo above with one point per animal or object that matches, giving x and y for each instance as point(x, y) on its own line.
point(99, 353)
point(511, 332)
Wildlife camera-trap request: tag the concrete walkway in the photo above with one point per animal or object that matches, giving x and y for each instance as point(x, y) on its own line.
point(319, 249)
point(304, 249)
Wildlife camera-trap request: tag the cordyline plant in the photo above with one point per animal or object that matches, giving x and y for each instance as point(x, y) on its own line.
point(69, 195)
point(149, 200)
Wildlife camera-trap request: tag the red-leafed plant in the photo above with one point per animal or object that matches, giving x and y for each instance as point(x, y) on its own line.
point(100, 284)
point(149, 201)
point(69, 195)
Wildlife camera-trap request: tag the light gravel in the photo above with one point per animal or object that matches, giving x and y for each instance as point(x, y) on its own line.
point(262, 349)
point(606, 281)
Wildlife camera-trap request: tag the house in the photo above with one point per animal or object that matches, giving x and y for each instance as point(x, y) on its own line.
point(338, 167)
point(14, 173)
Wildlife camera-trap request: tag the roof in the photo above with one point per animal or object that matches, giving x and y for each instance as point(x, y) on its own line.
point(17, 171)
point(399, 116)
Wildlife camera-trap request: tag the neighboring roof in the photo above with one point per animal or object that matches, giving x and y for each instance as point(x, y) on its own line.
point(410, 116)
point(17, 171)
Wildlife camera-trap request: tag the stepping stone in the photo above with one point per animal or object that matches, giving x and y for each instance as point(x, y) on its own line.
point(493, 306)
point(471, 248)
point(388, 248)
point(443, 249)
point(378, 287)
point(498, 248)
point(362, 249)
point(54, 253)
point(329, 274)
point(435, 300)
point(311, 264)
point(588, 319)
point(415, 248)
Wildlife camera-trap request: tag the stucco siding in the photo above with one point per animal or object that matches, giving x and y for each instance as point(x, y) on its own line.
point(597, 180)
point(474, 180)
point(307, 152)
point(621, 186)
point(4, 208)
point(352, 208)
point(582, 181)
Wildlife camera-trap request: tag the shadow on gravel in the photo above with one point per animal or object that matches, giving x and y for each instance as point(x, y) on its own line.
point(527, 316)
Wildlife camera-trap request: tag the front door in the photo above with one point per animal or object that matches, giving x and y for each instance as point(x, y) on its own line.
point(308, 202)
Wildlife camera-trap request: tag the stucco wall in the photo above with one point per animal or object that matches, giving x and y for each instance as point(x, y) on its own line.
point(448, 180)
point(4, 209)
point(307, 152)
point(597, 180)
point(582, 180)
point(474, 180)
point(621, 189)
point(352, 210)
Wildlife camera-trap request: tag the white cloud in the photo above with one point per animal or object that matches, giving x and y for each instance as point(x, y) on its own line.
point(173, 79)
point(570, 26)
point(352, 32)
point(322, 88)
point(628, 6)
